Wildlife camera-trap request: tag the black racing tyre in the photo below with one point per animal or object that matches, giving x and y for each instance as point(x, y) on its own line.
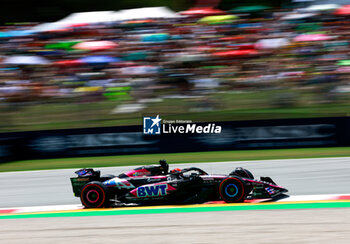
point(94, 195)
point(232, 190)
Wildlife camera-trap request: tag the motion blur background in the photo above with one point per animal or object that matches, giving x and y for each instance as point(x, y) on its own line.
point(199, 60)
point(77, 76)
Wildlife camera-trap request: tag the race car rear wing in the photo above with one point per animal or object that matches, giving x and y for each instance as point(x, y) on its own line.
point(84, 176)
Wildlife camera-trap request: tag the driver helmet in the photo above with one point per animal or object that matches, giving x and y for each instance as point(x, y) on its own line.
point(164, 165)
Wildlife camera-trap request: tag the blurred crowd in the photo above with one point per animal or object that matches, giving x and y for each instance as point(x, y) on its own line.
point(199, 53)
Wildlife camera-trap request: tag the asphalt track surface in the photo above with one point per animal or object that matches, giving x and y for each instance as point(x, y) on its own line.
point(278, 225)
point(300, 176)
point(262, 226)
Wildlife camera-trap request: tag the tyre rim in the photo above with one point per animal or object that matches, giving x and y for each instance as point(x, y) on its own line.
point(231, 190)
point(93, 196)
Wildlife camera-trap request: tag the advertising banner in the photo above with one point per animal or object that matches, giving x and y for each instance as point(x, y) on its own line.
point(164, 136)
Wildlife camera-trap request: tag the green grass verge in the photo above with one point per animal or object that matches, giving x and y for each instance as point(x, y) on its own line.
point(227, 106)
point(172, 158)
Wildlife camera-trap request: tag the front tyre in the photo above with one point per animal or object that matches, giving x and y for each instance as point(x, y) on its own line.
point(232, 190)
point(94, 195)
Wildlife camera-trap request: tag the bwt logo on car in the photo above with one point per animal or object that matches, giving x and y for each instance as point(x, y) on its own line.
point(151, 191)
point(152, 126)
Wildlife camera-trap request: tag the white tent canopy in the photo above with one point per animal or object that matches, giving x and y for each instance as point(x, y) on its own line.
point(108, 16)
point(77, 18)
point(88, 18)
point(146, 13)
point(48, 27)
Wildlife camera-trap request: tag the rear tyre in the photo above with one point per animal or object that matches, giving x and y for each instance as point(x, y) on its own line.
point(232, 190)
point(94, 195)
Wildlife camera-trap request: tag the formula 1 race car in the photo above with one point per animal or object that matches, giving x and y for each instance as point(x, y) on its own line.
point(154, 185)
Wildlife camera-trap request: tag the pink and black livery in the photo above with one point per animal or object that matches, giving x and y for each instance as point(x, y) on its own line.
point(155, 185)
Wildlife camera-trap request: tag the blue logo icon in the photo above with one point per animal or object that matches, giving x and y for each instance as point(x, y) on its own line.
point(151, 125)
